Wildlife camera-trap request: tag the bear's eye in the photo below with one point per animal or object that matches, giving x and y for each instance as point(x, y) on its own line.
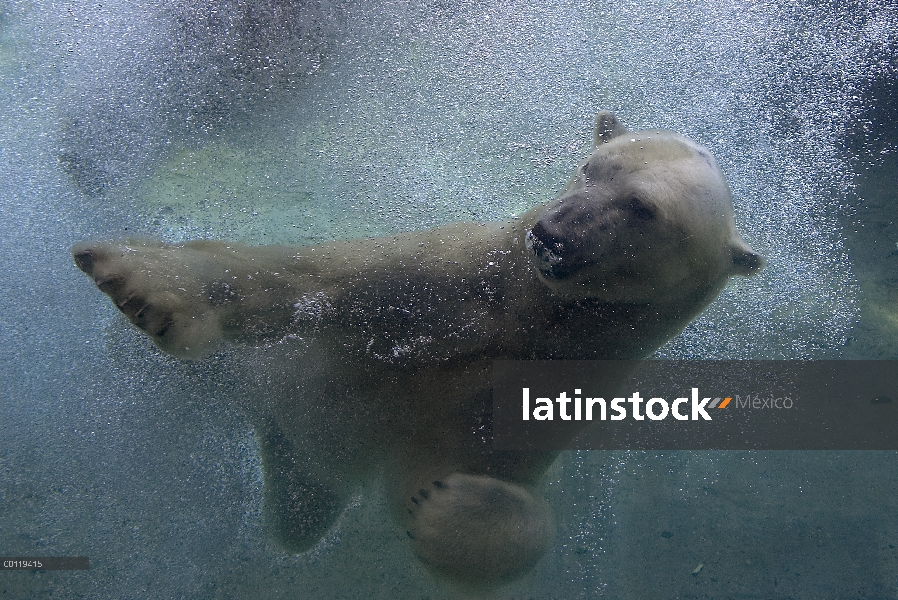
point(640, 209)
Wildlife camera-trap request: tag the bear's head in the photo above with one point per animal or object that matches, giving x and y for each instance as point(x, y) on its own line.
point(647, 218)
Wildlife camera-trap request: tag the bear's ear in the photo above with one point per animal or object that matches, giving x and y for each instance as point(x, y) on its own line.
point(745, 260)
point(607, 128)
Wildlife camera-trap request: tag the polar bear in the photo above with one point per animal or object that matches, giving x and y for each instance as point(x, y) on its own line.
point(397, 336)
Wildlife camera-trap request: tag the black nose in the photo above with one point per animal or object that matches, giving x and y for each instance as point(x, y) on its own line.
point(547, 249)
point(543, 240)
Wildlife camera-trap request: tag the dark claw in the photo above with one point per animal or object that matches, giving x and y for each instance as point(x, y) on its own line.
point(84, 260)
point(141, 317)
point(110, 285)
point(131, 298)
point(167, 323)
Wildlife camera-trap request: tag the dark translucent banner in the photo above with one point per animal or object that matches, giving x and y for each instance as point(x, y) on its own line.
point(695, 405)
point(44, 563)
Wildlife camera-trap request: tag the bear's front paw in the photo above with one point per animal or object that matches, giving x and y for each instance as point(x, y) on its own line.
point(477, 530)
point(149, 283)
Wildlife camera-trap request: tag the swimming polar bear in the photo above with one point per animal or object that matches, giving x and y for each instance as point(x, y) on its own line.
point(398, 335)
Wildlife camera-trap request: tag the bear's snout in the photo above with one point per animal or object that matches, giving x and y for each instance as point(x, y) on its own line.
point(547, 251)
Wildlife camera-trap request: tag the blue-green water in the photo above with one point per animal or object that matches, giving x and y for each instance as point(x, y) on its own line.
point(372, 117)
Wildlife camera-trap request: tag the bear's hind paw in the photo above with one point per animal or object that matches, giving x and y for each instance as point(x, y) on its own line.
point(478, 531)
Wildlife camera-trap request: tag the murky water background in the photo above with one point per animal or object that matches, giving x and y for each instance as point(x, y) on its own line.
point(370, 117)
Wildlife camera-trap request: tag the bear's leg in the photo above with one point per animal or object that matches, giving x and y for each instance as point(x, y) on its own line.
point(477, 530)
point(189, 297)
point(300, 503)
